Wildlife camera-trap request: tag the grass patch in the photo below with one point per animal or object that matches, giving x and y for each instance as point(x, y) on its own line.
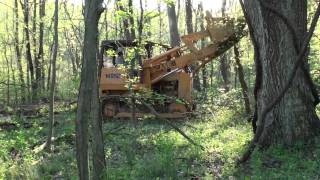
point(156, 151)
point(300, 161)
point(153, 150)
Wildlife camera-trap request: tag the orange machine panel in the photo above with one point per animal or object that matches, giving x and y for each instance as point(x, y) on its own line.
point(185, 86)
point(112, 79)
point(115, 79)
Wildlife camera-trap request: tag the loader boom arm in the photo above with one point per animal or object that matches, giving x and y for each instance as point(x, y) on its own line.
point(223, 33)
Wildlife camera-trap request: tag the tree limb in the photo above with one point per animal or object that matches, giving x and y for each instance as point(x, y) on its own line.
point(154, 112)
point(257, 61)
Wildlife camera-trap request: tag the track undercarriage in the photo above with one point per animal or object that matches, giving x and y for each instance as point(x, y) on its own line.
point(122, 106)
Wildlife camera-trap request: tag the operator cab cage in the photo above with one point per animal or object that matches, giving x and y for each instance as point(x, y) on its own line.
point(117, 45)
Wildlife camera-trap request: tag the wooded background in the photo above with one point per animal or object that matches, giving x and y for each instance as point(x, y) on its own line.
point(42, 52)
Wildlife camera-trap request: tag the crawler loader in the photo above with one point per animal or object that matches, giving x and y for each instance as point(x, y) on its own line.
point(168, 74)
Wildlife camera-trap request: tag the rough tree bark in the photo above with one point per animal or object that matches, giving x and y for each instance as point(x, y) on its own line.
point(53, 76)
point(293, 116)
point(88, 100)
point(173, 26)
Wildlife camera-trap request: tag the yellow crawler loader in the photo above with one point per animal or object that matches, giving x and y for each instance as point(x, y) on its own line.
point(168, 74)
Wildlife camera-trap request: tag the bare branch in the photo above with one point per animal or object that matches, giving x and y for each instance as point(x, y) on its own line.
point(154, 112)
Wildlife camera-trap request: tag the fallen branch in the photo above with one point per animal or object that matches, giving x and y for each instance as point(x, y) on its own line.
point(154, 112)
point(117, 129)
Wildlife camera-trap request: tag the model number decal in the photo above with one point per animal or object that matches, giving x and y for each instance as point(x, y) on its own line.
point(113, 76)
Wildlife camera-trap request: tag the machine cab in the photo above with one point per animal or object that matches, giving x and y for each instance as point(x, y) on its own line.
point(116, 64)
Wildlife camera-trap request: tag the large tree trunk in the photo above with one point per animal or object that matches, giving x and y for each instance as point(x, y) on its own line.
point(53, 76)
point(293, 118)
point(88, 102)
point(173, 26)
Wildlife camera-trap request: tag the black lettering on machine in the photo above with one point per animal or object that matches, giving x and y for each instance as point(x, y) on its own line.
point(113, 76)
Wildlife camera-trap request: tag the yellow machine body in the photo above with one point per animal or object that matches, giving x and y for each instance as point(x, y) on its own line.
point(168, 73)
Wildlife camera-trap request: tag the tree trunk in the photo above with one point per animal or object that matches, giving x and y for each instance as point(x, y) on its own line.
point(173, 26)
point(38, 64)
point(71, 53)
point(8, 72)
point(244, 87)
point(293, 117)
point(202, 28)
point(224, 60)
point(126, 24)
point(17, 49)
point(106, 23)
point(26, 10)
point(140, 23)
point(225, 71)
point(53, 76)
point(49, 68)
point(88, 102)
point(189, 16)
point(196, 79)
point(160, 22)
point(131, 19)
point(13, 72)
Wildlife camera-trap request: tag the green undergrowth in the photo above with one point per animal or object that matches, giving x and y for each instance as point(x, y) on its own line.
point(155, 150)
point(22, 155)
point(301, 161)
point(151, 149)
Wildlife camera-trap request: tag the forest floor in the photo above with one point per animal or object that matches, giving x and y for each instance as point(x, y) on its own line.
point(153, 150)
